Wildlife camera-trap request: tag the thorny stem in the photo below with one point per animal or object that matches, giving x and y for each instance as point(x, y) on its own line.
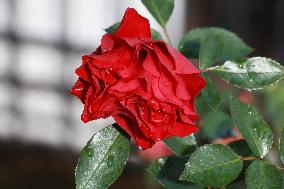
point(249, 158)
point(209, 69)
point(281, 168)
point(204, 70)
point(254, 158)
point(167, 35)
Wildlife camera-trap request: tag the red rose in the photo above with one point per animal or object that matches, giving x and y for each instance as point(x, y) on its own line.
point(147, 86)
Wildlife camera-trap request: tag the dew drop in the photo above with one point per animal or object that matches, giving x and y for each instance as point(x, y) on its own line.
point(250, 113)
point(110, 160)
point(90, 152)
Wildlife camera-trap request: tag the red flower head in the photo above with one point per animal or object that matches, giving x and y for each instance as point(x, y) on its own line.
point(147, 86)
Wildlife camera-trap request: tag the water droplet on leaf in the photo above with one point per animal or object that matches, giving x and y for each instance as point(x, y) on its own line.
point(110, 160)
point(90, 152)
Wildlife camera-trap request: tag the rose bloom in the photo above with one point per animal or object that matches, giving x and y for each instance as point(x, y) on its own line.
point(147, 86)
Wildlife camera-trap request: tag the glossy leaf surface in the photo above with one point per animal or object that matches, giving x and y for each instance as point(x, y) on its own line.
point(253, 74)
point(261, 175)
point(210, 94)
point(102, 159)
point(252, 126)
point(210, 50)
point(160, 9)
point(213, 165)
point(233, 48)
point(181, 146)
point(167, 171)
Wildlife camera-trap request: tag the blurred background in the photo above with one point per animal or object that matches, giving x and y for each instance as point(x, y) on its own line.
point(41, 44)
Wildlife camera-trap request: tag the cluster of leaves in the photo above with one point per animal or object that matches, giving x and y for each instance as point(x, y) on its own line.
point(223, 54)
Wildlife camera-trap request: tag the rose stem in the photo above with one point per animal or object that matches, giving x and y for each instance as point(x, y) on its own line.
point(167, 35)
point(248, 158)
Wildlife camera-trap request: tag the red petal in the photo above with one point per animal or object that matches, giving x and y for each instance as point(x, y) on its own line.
point(194, 84)
point(107, 43)
point(99, 107)
point(181, 90)
point(166, 86)
point(133, 130)
point(164, 58)
point(186, 118)
point(83, 73)
point(80, 89)
point(149, 65)
point(133, 25)
point(182, 64)
point(125, 86)
point(182, 129)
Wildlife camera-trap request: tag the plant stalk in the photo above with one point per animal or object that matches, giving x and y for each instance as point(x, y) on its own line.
point(167, 35)
point(248, 158)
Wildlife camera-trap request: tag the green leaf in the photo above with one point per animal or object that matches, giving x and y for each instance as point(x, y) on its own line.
point(217, 125)
point(274, 104)
point(181, 146)
point(282, 145)
point(160, 9)
point(253, 74)
point(238, 185)
point(112, 28)
point(155, 34)
point(201, 106)
point(213, 165)
point(102, 159)
point(261, 175)
point(210, 50)
point(211, 94)
point(252, 126)
point(282, 180)
point(241, 148)
point(167, 171)
point(233, 48)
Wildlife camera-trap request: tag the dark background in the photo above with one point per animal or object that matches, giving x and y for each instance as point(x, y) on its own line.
point(48, 163)
point(258, 22)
